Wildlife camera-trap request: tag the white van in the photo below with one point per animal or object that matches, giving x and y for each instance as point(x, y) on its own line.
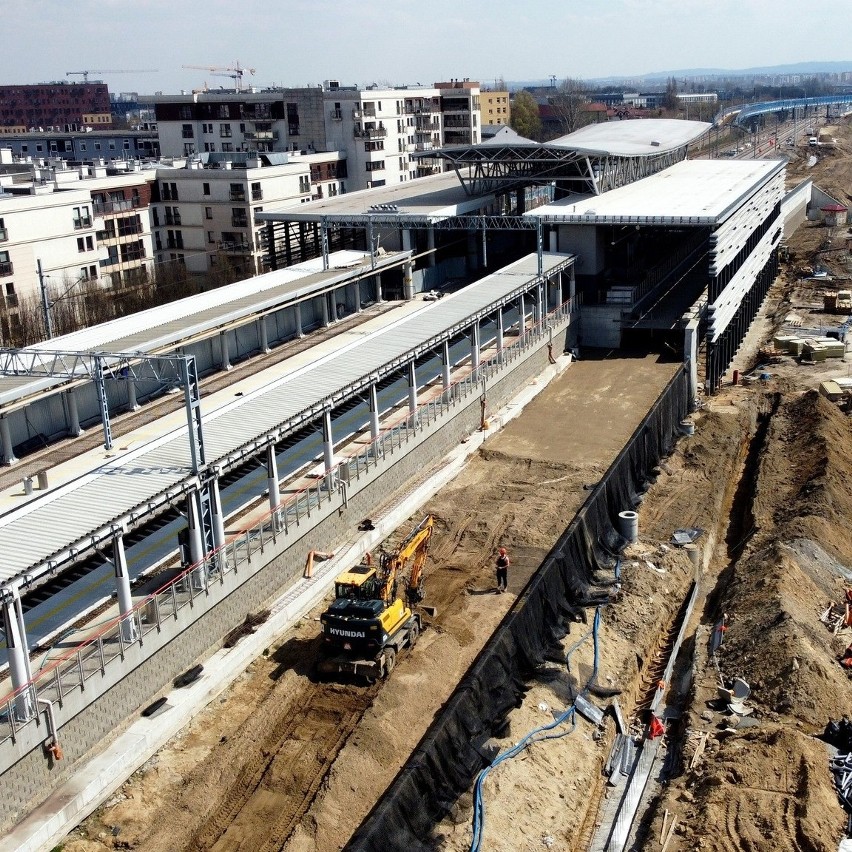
point(813, 141)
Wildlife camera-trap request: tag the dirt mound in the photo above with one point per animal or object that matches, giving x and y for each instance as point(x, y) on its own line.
point(763, 790)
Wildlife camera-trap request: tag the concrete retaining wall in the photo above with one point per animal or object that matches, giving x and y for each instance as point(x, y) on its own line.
point(90, 724)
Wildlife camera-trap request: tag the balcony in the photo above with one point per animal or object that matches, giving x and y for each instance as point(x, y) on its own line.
point(187, 134)
point(370, 133)
point(102, 208)
point(11, 300)
point(234, 247)
point(358, 114)
point(261, 135)
point(4, 235)
point(81, 223)
point(418, 110)
point(256, 194)
point(6, 268)
point(425, 125)
point(239, 222)
point(171, 219)
point(336, 115)
point(237, 194)
point(461, 123)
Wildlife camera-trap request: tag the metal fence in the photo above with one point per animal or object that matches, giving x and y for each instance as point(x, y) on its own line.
point(108, 647)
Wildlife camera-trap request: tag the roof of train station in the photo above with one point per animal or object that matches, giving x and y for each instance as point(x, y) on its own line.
point(56, 527)
point(691, 192)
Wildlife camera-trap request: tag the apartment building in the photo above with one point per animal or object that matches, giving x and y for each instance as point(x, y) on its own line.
point(56, 106)
point(244, 121)
point(80, 225)
point(203, 213)
point(494, 107)
point(460, 106)
point(82, 145)
point(379, 128)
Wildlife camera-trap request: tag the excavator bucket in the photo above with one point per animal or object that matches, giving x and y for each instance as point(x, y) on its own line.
point(431, 611)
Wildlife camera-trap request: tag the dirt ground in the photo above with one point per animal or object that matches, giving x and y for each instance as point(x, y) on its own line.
point(281, 761)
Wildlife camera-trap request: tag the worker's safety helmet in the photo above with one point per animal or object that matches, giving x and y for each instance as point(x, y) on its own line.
point(502, 551)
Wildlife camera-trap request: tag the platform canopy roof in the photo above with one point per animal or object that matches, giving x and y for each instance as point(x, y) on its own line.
point(636, 137)
point(692, 192)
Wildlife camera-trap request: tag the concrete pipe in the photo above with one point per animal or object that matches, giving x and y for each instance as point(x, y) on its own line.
point(628, 526)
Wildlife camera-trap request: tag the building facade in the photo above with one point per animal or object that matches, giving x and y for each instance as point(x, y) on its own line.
point(56, 106)
point(494, 107)
point(82, 146)
point(461, 108)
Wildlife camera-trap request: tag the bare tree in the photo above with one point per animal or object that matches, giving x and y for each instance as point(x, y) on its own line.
point(568, 105)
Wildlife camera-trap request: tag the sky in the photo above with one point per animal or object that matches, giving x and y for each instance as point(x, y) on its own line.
point(401, 42)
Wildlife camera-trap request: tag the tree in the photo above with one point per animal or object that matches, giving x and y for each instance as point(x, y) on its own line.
point(568, 104)
point(670, 101)
point(525, 118)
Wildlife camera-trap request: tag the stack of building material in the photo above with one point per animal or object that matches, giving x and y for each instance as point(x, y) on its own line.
point(620, 295)
point(831, 390)
point(822, 348)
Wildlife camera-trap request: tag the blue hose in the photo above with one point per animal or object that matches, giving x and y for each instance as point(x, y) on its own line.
point(536, 735)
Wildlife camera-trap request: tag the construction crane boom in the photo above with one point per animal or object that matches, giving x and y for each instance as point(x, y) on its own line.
point(235, 71)
point(85, 74)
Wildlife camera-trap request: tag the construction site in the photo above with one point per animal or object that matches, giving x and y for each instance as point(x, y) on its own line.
point(664, 684)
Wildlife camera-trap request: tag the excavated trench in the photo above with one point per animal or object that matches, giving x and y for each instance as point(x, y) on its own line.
point(736, 534)
point(574, 575)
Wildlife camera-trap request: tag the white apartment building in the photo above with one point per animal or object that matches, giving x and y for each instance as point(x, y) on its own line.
point(379, 128)
point(80, 224)
point(203, 215)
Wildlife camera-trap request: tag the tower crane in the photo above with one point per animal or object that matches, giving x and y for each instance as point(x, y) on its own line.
point(85, 74)
point(235, 71)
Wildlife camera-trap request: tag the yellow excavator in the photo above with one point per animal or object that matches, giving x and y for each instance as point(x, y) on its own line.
point(369, 623)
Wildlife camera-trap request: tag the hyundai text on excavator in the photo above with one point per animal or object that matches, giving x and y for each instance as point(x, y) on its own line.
point(369, 622)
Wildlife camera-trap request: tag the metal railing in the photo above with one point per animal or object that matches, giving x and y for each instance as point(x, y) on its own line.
point(89, 662)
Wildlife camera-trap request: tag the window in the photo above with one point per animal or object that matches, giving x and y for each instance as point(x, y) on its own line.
point(207, 128)
point(185, 112)
point(210, 146)
point(211, 237)
point(126, 144)
point(11, 295)
point(237, 192)
point(256, 191)
point(82, 146)
point(227, 147)
point(5, 263)
point(85, 244)
point(224, 111)
point(205, 189)
point(225, 131)
point(174, 239)
point(186, 131)
point(293, 119)
point(97, 146)
point(374, 166)
point(239, 217)
point(82, 218)
point(208, 212)
point(4, 234)
point(304, 183)
point(170, 191)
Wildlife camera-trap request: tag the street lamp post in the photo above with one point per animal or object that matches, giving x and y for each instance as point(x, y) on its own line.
point(45, 303)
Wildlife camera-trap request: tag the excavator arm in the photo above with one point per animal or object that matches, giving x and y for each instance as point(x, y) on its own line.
point(415, 548)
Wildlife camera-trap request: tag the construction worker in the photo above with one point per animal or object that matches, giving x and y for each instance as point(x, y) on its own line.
point(502, 567)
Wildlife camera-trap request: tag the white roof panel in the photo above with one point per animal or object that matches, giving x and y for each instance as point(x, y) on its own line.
point(633, 137)
point(692, 192)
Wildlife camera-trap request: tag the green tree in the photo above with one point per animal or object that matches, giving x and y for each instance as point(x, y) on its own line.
point(670, 101)
point(525, 118)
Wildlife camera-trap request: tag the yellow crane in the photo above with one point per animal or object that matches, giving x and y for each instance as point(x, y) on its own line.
point(85, 74)
point(236, 72)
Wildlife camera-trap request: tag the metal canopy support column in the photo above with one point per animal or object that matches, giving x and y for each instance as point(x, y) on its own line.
point(522, 312)
point(378, 280)
point(407, 281)
point(430, 245)
point(324, 243)
point(356, 293)
point(216, 511)
point(270, 245)
point(474, 350)
point(324, 302)
point(272, 478)
point(263, 334)
point(539, 303)
point(374, 412)
point(6, 439)
point(297, 310)
point(132, 404)
point(539, 246)
point(74, 428)
point(129, 633)
point(445, 369)
point(412, 394)
point(328, 448)
point(196, 541)
point(226, 355)
point(500, 333)
point(370, 246)
point(16, 644)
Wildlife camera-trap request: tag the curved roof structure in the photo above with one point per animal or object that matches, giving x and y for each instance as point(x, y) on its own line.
point(594, 159)
point(633, 137)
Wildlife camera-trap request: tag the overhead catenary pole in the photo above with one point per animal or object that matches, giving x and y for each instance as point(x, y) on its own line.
point(45, 302)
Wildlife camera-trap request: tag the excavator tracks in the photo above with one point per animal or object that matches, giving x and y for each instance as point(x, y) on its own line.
point(276, 788)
